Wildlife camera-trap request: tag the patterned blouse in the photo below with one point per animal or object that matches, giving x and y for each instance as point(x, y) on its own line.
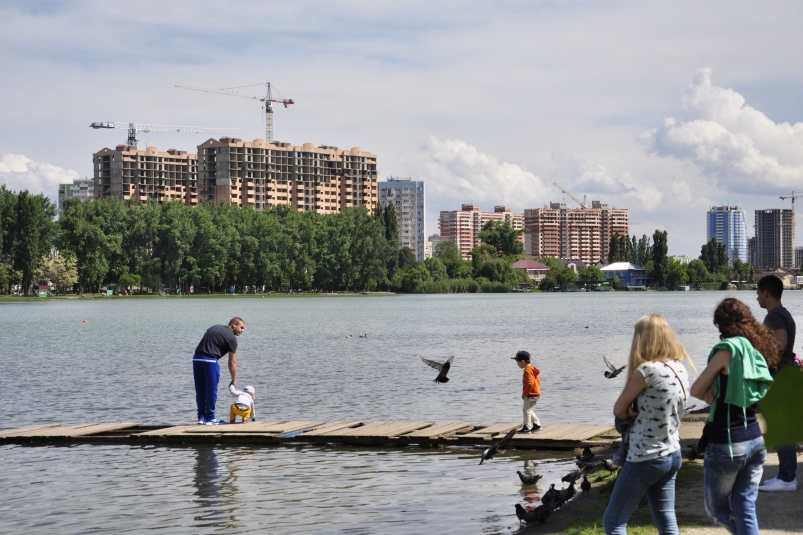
point(661, 405)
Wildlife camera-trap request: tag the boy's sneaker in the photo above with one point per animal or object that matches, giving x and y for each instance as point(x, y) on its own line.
point(535, 428)
point(524, 430)
point(232, 420)
point(778, 485)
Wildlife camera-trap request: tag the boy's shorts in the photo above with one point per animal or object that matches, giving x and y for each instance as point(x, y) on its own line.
point(236, 410)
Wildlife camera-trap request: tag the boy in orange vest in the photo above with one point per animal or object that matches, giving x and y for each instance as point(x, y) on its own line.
point(531, 392)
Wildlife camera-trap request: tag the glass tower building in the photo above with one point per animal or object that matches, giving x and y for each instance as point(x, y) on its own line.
point(726, 224)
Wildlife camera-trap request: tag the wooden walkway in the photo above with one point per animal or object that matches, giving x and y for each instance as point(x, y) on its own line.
point(391, 434)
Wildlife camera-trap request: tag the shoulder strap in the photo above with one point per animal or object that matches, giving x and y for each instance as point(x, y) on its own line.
point(685, 397)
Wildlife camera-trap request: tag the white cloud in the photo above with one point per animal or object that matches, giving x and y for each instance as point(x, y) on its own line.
point(457, 172)
point(728, 140)
point(19, 172)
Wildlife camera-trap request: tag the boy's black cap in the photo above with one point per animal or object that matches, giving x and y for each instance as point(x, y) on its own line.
point(522, 355)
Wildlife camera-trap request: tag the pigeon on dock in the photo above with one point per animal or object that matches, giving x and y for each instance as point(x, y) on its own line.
point(585, 486)
point(442, 368)
point(529, 480)
point(613, 371)
point(499, 447)
point(539, 514)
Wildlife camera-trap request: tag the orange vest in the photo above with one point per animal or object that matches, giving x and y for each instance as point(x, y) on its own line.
point(531, 381)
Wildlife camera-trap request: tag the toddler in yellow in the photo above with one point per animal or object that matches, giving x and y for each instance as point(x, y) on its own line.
point(244, 406)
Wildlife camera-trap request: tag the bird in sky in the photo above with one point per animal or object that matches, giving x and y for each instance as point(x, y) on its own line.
point(529, 480)
point(499, 447)
point(585, 486)
point(442, 368)
point(613, 371)
point(539, 514)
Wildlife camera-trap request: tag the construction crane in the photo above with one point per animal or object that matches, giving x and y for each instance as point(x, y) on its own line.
point(134, 129)
point(582, 204)
point(793, 197)
point(271, 96)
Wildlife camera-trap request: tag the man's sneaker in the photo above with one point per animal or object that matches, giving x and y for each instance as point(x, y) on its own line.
point(524, 430)
point(535, 428)
point(215, 422)
point(778, 485)
point(200, 422)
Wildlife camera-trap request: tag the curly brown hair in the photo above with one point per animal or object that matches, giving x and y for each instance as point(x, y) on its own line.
point(734, 318)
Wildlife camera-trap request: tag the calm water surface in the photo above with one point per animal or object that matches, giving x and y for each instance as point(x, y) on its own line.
point(131, 362)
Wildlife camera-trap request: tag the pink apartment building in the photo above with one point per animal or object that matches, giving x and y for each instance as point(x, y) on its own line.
point(463, 226)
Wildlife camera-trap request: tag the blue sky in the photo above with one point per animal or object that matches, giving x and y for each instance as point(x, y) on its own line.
point(488, 102)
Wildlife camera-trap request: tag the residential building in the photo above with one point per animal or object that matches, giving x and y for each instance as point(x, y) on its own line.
point(574, 264)
point(81, 189)
point(775, 238)
point(146, 175)
point(683, 259)
point(726, 224)
point(428, 249)
point(407, 197)
point(631, 275)
point(463, 226)
point(798, 256)
point(260, 174)
point(432, 244)
point(577, 233)
point(535, 270)
point(751, 251)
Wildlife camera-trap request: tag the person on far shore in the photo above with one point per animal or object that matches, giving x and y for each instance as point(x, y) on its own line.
point(216, 342)
point(736, 379)
point(769, 290)
point(531, 392)
point(658, 383)
point(244, 406)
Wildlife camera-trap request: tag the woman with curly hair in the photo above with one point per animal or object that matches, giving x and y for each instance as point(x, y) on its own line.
point(736, 379)
point(655, 395)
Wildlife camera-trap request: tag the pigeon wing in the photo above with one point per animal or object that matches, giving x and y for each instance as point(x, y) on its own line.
point(502, 443)
point(432, 363)
point(608, 363)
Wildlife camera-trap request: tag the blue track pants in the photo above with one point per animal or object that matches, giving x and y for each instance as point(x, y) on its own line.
point(206, 371)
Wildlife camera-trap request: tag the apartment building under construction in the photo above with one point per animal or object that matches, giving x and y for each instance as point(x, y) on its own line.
point(463, 226)
point(130, 173)
point(259, 174)
point(580, 233)
point(256, 174)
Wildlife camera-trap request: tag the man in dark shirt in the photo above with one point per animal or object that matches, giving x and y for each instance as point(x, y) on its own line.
point(769, 290)
point(216, 342)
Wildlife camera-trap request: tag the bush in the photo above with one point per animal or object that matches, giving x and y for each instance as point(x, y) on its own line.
point(453, 286)
point(495, 287)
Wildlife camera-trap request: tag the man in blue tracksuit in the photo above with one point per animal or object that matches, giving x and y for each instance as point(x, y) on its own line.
point(217, 341)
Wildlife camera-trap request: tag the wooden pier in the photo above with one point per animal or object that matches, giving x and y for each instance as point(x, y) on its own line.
point(373, 434)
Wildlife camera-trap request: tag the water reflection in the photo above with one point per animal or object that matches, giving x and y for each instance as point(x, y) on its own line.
point(213, 493)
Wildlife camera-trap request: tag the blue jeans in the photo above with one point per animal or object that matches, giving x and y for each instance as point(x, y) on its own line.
point(731, 484)
point(656, 478)
point(787, 463)
point(206, 371)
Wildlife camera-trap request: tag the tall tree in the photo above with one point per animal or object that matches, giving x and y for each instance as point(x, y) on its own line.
point(660, 260)
point(33, 234)
point(503, 237)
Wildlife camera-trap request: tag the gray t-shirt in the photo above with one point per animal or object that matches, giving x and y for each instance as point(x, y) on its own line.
point(661, 405)
point(217, 341)
point(779, 318)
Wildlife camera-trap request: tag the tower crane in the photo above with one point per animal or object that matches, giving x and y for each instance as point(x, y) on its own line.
point(134, 129)
point(271, 96)
point(582, 204)
point(793, 197)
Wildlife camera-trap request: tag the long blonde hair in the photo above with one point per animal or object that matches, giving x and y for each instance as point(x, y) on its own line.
point(654, 340)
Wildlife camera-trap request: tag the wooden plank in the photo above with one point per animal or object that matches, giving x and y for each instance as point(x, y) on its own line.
point(44, 432)
point(250, 427)
point(350, 431)
point(445, 429)
point(329, 428)
point(18, 432)
point(103, 428)
point(380, 429)
point(490, 431)
point(175, 430)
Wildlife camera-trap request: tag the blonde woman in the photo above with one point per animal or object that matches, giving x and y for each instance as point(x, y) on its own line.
point(655, 395)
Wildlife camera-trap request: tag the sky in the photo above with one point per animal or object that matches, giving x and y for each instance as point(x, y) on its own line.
point(661, 108)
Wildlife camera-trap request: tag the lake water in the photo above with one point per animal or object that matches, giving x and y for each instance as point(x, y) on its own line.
point(131, 361)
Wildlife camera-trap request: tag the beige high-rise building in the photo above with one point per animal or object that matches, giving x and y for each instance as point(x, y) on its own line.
point(146, 175)
point(463, 226)
point(578, 233)
point(259, 174)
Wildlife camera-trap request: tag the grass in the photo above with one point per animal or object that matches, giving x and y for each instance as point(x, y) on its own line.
point(587, 520)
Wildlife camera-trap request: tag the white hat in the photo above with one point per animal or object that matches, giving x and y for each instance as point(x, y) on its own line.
point(249, 389)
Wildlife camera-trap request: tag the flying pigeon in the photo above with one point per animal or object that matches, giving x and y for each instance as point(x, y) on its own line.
point(613, 370)
point(499, 447)
point(529, 480)
point(442, 368)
